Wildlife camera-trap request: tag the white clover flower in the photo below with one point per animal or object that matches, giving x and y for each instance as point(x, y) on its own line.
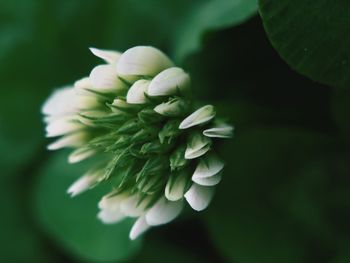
point(158, 148)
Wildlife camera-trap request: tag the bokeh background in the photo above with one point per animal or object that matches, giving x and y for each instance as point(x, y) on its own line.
point(285, 195)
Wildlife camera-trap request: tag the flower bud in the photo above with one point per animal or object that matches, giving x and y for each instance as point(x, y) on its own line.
point(61, 102)
point(110, 217)
point(208, 181)
point(62, 126)
point(155, 147)
point(136, 93)
point(109, 56)
point(176, 185)
point(173, 108)
point(81, 154)
point(220, 131)
point(87, 181)
point(171, 81)
point(197, 146)
point(142, 61)
point(200, 116)
point(150, 116)
point(139, 227)
point(177, 159)
point(169, 132)
point(120, 105)
point(130, 126)
point(71, 140)
point(199, 197)
point(104, 79)
point(163, 212)
point(208, 166)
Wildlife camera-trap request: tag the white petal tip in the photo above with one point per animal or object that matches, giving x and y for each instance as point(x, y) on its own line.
point(163, 212)
point(224, 132)
point(209, 166)
point(142, 61)
point(110, 217)
point(136, 93)
point(139, 228)
point(107, 55)
point(169, 82)
point(199, 197)
point(200, 116)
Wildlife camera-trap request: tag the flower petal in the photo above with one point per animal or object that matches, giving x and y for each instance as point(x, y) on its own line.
point(136, 93)
point(176, 186)
point(142, 61)
point(63, 125)
point(199, 197)
point(107, 55)
point(163, 212)
point(200, 116)
point(169, 82)
point(208, 166)
point(82, 184)
point(221, 131)
point(88, 102)
point(104, 79)
point(173, 108)
point(81, 154)
point(110, 217)
point(111, 202)
point(208, 181)
point(61, 102)
point(82, 86)
point(132, 207)
point(197, 146)
point(139, 227)
point(72, 140)
point(189, 154)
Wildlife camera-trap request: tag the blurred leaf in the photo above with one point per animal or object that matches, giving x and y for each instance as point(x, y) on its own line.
point(206, 16)
point(21, 131)
point(18, 241)
point(73, 222)
point(248, 219)
point(312, 36)
point(156, 251)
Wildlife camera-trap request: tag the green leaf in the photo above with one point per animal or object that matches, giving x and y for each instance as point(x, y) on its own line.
point(311, 36)
point(261, 211)
point(72, 222)
point(18, 240)
point(207, 16)
point(156, 250)
point(23, 133)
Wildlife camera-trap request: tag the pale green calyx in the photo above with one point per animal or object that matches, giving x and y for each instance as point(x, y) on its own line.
point(156, 148)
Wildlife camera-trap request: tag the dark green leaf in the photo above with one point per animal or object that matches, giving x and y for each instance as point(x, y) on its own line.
point(207, 16)
point(257, 215)
point(311, 36)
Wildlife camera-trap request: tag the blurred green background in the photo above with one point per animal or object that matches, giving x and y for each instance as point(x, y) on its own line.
point(285, 195)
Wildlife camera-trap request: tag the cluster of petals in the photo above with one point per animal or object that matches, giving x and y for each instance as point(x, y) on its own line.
point(126, 81)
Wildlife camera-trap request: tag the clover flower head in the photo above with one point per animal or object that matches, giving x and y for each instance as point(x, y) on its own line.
point(136, 110)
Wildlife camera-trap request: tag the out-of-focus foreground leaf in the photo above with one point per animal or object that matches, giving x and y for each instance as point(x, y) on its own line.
point(311, 36)
point(72, 222)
